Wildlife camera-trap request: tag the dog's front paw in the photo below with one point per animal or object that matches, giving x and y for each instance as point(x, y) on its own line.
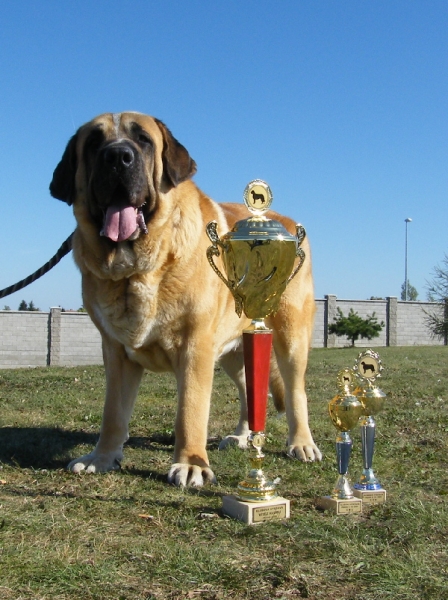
point(234, 440)
point(307, 452)
point(95, 463)
point(182, 475)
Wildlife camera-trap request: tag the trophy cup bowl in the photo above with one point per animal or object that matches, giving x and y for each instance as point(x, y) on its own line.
point(258, 257)
point(345, 411)
point(372, 398)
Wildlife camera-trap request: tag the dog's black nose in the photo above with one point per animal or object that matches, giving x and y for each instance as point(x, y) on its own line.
point(119, 157)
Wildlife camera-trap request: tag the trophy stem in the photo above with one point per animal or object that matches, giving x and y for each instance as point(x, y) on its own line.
point(257, 345)
point(368, 481)
point(256, 487)
point(368, 432)
point(342, 489)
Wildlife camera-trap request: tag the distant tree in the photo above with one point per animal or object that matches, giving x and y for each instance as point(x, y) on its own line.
point(437, 288)
point(353, 326)
point(81, 309)
point(25, 306)
point(376, 298)
point(412, 292)
point(6, 307)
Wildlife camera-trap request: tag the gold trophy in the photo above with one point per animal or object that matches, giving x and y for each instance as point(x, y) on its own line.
point(368, 368)
point(345, 410)
point(258, 256)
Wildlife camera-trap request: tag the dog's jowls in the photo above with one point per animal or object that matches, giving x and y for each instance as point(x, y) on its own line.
point(140, 244)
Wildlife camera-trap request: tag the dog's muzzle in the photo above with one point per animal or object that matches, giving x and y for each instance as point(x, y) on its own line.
point(119, 187)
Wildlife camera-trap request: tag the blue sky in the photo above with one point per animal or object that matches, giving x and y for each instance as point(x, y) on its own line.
point(341, 106)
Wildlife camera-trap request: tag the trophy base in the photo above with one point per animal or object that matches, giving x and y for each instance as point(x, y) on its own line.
point(347, 506)
point(253, 513)
point(370, 497)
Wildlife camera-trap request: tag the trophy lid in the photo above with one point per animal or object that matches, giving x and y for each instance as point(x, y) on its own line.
point(258, 199)
point(253, 227)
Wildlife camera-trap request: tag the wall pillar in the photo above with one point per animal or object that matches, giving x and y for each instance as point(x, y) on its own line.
point(330, 314)
point(54, 337)
point(391, 321)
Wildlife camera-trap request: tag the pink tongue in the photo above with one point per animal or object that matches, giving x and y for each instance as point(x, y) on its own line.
point(120, 223)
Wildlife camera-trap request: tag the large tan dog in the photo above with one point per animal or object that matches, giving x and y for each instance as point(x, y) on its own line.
point(141, 244)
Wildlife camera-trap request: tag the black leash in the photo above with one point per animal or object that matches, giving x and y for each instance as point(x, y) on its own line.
point(63, 250)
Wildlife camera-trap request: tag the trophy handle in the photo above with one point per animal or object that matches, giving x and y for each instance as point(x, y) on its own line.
point(300, 235)
point(211, 229)
point(213, 250)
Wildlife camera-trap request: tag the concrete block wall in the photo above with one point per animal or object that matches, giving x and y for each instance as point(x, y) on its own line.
point(405, 323)
point(38, 339)
point(67, 339)
point(411, 326)
point(319, 325)
point(363, 308)
point(23, 339)
point(80, 341)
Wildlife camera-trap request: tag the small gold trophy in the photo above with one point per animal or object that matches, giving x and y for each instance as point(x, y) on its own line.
point(258, 256)
point(368, 368)
point(345, 410)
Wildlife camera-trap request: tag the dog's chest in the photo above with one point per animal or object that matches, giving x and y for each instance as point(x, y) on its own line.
point(132, 313)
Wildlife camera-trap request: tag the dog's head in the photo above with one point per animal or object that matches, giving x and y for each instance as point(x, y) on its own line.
point(117, 165)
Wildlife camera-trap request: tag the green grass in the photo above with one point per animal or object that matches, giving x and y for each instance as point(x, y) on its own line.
point(129, 535)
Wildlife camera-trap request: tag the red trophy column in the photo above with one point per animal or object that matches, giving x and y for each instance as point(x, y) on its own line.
point(257, 358)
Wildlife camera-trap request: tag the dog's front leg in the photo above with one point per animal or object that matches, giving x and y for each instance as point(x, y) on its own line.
point(122, 382)
point(194, 375)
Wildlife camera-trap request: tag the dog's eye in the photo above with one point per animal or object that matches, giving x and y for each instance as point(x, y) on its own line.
point(144, 139)
point(94, 141)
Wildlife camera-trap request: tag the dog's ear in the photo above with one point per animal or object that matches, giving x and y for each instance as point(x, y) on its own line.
point(177, 163)
point(62, 185)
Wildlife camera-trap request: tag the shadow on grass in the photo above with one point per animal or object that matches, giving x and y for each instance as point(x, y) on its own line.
point(40, 447)
point(52, 447)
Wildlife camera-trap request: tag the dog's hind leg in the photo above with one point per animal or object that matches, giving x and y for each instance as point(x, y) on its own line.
point(122, 382)
point(291, 348)
point(277, 386)
point(233, 365)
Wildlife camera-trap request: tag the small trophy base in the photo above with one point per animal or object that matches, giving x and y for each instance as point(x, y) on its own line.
point(370, 497)
point(253, 513)
point(348, 506)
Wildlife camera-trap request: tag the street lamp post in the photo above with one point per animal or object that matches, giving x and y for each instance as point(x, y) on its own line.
point(408, 220)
